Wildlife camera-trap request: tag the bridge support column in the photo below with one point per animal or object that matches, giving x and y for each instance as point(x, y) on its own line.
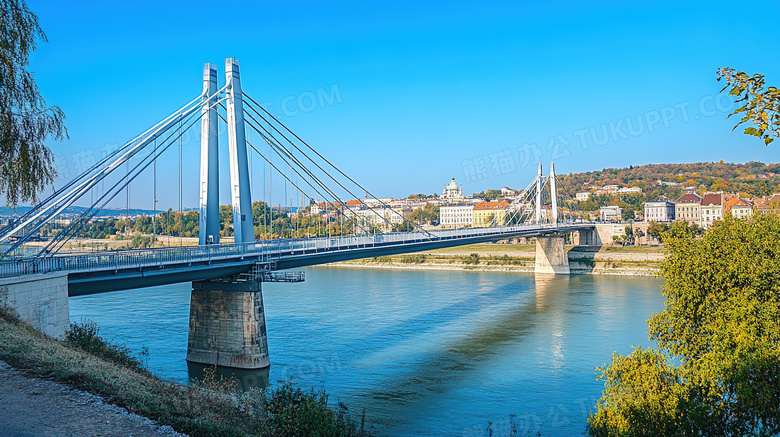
point(227, 325)
point(551, 256)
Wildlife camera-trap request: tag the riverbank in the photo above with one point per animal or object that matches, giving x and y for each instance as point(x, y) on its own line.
point(214, 408)
point(609, 260)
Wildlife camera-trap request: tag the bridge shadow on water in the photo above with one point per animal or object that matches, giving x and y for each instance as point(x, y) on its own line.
point(442, 370)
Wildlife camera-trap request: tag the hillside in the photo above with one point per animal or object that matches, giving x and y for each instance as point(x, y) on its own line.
point(750, 180)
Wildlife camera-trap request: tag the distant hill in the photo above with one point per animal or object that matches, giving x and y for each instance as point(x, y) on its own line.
point(751, 179)
point(6, 211)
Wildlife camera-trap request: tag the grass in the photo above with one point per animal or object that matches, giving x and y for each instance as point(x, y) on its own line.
point(88, 362)
point(486, 249)
point(633, 249)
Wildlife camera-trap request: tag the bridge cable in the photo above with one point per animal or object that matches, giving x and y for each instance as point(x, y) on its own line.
point(88, 214)
point(79, 191)
point(84, 218)
point(92, 169)
point(270, 163)
point(292, 157)
point(79, 223)
point(294, 170)
point(276, 146)
point(328, 162)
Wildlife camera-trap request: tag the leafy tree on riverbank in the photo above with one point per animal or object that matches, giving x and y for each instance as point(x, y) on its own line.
point(759, 106)
point(25, 120)
point(718, 368)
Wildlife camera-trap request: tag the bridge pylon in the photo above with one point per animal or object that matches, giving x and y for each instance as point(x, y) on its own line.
point(240, 192)
point(209, 160)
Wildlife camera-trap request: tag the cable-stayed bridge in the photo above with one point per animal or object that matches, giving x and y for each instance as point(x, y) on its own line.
point(227, 277)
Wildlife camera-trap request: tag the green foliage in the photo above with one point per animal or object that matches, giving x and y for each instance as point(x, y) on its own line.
point(291, 411)
point(656, 230)
point(758, 105)
point(422, 196)
point(141, 242)
point(413, 259)
point(471, 259)
point(489, 195)
point(620, 239)
point(427, 214)
point(721, 323)
point(85, 336)
point(25, 120)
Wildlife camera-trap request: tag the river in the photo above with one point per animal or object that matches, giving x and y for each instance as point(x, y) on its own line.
point(423, 352)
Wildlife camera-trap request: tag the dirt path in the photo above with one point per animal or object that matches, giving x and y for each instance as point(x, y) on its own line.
point(39, 407)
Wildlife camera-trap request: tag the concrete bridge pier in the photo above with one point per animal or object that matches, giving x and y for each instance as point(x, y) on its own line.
point(551, 256)
point(227, 324)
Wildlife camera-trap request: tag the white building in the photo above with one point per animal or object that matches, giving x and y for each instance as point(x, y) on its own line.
point(451, 193)
point(659, 211)
point(609, 213)
point(456, 216)
point(629, 190)
point(712, 209)
point(582, 196)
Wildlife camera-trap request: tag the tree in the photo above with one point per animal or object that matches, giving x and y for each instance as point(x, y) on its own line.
point(656, 230)
point(25, 120)
point(427, 214)
point(758, 105)
point(718, 370)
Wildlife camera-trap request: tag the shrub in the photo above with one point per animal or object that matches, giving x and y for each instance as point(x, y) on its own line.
point(413, 259)
point(471, 259)
point(85, 336)
point(141, 241)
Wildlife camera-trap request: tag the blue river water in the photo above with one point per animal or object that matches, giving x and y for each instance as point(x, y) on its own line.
point(423, 352)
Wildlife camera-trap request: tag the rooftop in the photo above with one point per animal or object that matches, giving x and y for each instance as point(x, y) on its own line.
point(712, 199)
point(492, 205)
point(689, 198)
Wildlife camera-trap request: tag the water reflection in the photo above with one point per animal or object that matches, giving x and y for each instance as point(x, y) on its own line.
point(244, 378)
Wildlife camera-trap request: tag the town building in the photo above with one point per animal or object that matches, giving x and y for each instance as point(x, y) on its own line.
point(451, 193)
point(609, 213)
point(582, 196)
point(661, 210)
point(712, 208)
point(767, 204)
point(490, 214)
point(688, 208)
point(456, 216)
point(738, 207)
point(629, 190)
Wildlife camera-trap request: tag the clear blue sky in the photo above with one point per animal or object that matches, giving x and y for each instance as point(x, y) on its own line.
point(426, 89)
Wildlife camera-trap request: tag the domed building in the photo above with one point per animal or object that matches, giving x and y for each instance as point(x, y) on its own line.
point(452, 193)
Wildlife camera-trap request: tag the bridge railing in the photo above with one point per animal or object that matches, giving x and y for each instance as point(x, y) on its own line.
point(259, 251)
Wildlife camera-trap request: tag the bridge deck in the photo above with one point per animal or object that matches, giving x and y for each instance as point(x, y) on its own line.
point(119, 270)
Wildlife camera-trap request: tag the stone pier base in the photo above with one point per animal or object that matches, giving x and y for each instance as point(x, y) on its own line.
point(551, 256)
point(227, 325)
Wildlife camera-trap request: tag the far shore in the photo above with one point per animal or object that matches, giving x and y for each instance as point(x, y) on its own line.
point(607, 260)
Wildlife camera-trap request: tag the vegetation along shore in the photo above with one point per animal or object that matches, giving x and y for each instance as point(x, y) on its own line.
point(607, 260)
